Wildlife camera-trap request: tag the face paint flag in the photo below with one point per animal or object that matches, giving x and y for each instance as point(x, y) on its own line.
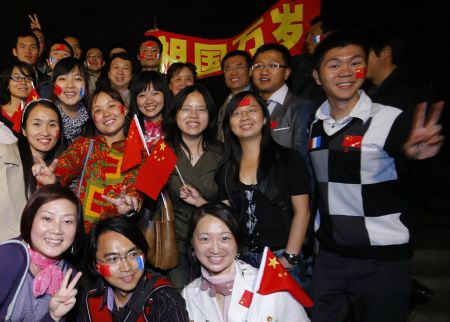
point(314, 143)
point(360, 72)
point(140, 262)
point(82, 91)
point(60, 47)
point(103, 270)
point(57, 90)
point(244, 102)
point(352, 141)
point(156, 170)
point(317, 39)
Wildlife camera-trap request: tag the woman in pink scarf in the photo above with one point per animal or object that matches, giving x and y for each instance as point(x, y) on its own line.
point(35, 275)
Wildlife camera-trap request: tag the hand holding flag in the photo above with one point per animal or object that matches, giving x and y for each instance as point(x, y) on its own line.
point(273, 277)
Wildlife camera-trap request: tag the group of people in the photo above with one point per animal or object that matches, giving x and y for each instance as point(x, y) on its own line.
point(249, 175)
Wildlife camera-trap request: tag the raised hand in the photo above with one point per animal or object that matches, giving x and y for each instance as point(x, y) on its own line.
point(34, 22)
point(124, 203)
point(425, 139)
point(64, 300)
point(44, 174)
point(191, 195)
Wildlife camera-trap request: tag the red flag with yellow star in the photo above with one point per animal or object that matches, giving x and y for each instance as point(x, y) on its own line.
point(275, 278)
point(33, 96)
point(133, 146)
point(156, 170)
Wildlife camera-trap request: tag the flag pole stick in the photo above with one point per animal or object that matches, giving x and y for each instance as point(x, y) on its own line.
point(181, 177)
point(141, 134)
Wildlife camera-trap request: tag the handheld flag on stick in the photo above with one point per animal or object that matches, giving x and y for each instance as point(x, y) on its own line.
point(156, 170)
point(273, 277)
point(135, 143)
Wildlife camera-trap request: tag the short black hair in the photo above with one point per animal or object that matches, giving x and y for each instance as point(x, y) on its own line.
point(233, 53)
point(277, 47)
point(339, 39)
point(387, 35)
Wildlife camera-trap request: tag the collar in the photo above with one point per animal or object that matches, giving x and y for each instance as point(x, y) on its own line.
point(361, 110)
point(230, 96)
point(6, 135)
point(280, 95)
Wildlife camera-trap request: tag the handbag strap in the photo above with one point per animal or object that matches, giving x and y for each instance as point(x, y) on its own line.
point(138, 306)
point(80, 182)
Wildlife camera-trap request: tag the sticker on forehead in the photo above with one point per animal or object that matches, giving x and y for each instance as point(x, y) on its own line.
point(360, 72)
point(244, 102)
point(149, 43)
point(60, 47)
point(57, 90)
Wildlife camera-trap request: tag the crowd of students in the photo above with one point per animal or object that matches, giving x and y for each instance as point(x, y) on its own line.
point(261, 170)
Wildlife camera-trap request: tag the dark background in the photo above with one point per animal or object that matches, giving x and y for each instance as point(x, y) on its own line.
point(100, 23)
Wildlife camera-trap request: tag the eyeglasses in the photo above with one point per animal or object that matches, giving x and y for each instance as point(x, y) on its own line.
point(187, 109)
point(115, 259)
point(19, 78)
point(250, 111)
point(236, 67)
point(272, 66)
point(94, 57)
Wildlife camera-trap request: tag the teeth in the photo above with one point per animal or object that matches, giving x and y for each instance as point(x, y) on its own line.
point(109, 122)
point(53, 241)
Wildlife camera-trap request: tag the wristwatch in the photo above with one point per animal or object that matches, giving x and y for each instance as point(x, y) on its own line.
point(293, 259)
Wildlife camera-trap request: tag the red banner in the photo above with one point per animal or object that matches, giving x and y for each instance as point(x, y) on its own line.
point(284, 23)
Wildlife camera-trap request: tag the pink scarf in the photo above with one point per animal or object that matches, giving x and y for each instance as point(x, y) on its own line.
point(49, 279)
point(222, 284)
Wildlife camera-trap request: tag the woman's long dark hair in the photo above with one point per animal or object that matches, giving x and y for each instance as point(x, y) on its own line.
point(269, 149)
point(25, 150)
point(170, 127)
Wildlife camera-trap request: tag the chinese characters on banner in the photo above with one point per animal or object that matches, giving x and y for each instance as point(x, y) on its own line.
point(284, 23)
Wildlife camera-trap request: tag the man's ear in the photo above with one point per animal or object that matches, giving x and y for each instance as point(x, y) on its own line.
point(14, 51)
point(315, 75)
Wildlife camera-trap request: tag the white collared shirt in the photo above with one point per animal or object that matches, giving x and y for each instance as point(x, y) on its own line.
point(278, 97)
point(361, 110)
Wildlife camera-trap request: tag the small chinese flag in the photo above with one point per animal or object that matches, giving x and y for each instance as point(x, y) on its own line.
point(133, 147)
point(156, 170)
point(352, 141)
point(246, 298)
point(275, 278)
point(33, 96)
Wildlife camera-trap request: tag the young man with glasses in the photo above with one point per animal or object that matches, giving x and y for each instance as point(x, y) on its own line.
point(290, 115)
point(94, 63)
point(128, 291)
point(236, 72)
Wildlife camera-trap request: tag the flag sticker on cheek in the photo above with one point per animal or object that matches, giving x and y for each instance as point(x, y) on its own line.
point(57, 90)
point(103, 270)
point(57, 134)
point(52, 60)
point(317, 39)
point(82, 91)
point(122, 109)
point(140, 262)
point(360, 72)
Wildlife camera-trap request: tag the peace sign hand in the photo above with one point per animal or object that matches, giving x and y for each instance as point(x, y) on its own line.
point(124, 203)
point(425, 139)
point(43, 173)
point(64, 300)
point(34, 22)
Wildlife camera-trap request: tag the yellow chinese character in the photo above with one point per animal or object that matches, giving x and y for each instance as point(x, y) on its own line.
point(177, 49)
point(251, 34)
point(290, 29)
point(208, 57)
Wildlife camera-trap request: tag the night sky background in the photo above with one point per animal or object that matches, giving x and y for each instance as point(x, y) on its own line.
point(426, 26)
